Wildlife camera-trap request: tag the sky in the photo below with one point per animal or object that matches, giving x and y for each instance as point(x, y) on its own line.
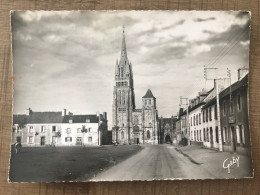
point(66, 59)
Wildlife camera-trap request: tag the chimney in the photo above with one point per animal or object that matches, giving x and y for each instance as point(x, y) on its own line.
point(64, 112)
point(105, 115)
point(29, 111)
point(238, 74)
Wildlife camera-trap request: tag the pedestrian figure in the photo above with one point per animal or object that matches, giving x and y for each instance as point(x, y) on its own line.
point(17, 147)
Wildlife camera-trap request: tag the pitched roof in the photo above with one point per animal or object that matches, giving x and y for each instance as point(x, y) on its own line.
point(81, 118)
point(20, 119)
point(241, 83)
point(44, 117)
point(148, 94)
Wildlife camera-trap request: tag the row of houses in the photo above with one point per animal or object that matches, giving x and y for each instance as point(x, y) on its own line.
point(60, 129)
point(200, 124)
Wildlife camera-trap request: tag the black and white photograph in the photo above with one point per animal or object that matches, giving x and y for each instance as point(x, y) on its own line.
point(130, 96)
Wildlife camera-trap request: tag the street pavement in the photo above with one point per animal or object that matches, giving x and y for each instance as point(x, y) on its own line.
point(213, 161)
point(155, 162)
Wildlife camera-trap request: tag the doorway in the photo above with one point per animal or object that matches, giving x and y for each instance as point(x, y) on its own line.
point(168, 139)
point(234, 139)
point(18, 139)
point(42, 141)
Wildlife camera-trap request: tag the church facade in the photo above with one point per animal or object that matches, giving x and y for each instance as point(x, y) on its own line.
point(132, 125)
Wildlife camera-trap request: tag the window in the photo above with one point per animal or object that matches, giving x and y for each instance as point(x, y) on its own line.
point(123, 96)
point(90, 139)
point(78, 130)
point(190, 121)
point(30, 139)
point(122, 72)
point(194, 120)
point(70, 121)
point(238, 102)
point(195, 136)
point(149, 102)
point(68, 130)
point(203, 116)
point(231, 107)
point(31, 129)
point(242, 133)
point(145, 102)
point(68, 139)
point(224, 108)
point(79, 139)
point(87, 120)
point(224, 134)
point(148, 134)
point(207, 135)
point(204, 136)
point(122, 135)
point(42, 129)
point(121, 109)
point(53, 128)
point(217, 134)
point(200, 136)
point(199, 118)
point(215, 111)
point(210, 118)
point(206, 115)
point(238, 134)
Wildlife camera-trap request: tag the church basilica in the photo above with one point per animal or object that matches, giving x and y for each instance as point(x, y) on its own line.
point(132, 125)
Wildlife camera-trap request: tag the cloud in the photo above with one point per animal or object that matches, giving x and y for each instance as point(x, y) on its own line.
point(67, 59)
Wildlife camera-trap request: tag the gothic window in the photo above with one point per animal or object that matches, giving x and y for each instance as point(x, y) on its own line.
point(120, 97)
point(122, 135)
point(123, 96)
point(122, 72)
point(148, 134)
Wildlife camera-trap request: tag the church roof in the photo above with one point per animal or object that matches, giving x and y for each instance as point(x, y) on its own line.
point(148, 94)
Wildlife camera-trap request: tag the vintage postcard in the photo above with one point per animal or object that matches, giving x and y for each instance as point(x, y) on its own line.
point(130, 95)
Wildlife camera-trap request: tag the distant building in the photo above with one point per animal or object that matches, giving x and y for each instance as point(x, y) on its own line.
point(55, 128)
point(131, 125)
point(167, 129)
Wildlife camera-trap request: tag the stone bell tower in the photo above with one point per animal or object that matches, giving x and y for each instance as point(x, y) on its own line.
point(123, 97)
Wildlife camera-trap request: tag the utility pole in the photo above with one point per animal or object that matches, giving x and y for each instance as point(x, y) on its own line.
point(187, 118)
point(216, 79)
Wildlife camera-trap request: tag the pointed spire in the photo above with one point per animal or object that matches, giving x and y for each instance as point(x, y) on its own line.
point(123, 48)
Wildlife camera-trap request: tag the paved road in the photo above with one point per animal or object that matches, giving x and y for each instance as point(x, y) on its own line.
point(154, 162)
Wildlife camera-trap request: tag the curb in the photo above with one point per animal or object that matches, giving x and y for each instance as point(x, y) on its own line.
point(186, 155)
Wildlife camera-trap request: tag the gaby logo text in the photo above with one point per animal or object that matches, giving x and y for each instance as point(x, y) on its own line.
point(228, 163)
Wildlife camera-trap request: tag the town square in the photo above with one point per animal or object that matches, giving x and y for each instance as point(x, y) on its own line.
point(114, 96)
